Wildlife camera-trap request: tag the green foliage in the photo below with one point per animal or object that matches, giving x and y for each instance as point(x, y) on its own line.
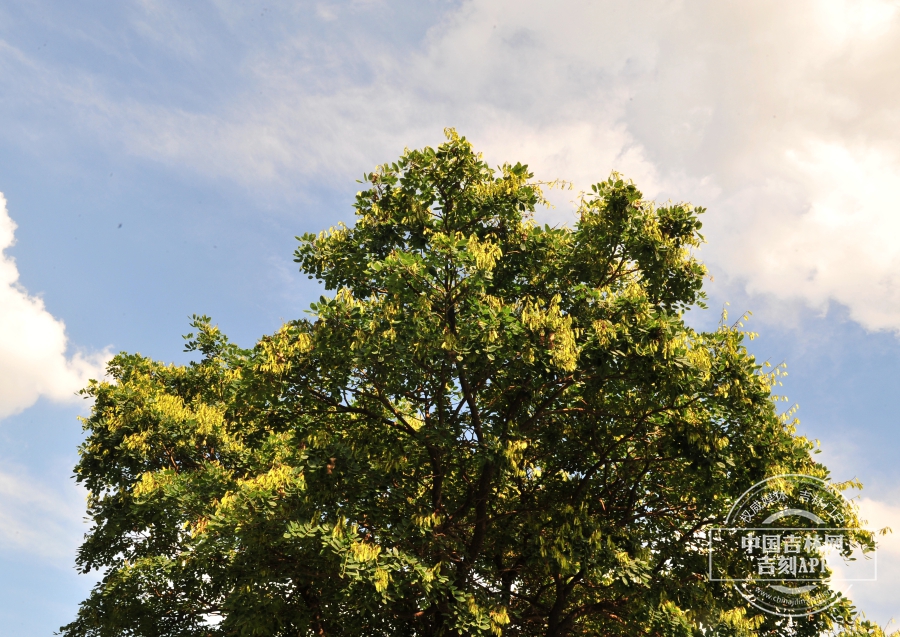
point(490, 428)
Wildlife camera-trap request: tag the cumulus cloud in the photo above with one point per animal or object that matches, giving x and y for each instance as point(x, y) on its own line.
point(871, 581)
point(780, 118)
point(33, 361)
point(879, 598)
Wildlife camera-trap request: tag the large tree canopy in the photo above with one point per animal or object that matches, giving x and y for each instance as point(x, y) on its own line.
point(490, 427)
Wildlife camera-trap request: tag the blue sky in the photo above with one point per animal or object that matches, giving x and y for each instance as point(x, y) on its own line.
point(158, 158)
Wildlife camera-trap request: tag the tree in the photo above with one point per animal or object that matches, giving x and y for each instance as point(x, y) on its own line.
point(490, 427)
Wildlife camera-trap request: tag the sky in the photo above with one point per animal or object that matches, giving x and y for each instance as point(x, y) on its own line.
point(157, 159)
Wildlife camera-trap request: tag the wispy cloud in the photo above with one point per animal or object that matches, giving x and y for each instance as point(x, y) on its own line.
point(37, 520)
point(782, 119)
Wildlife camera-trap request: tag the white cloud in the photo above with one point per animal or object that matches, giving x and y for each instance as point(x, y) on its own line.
point(872, 581)
point(878, 599)
point(830, 233)
point(878, 515)
point(782, 118)
point(33, 361)
point(36, 519)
